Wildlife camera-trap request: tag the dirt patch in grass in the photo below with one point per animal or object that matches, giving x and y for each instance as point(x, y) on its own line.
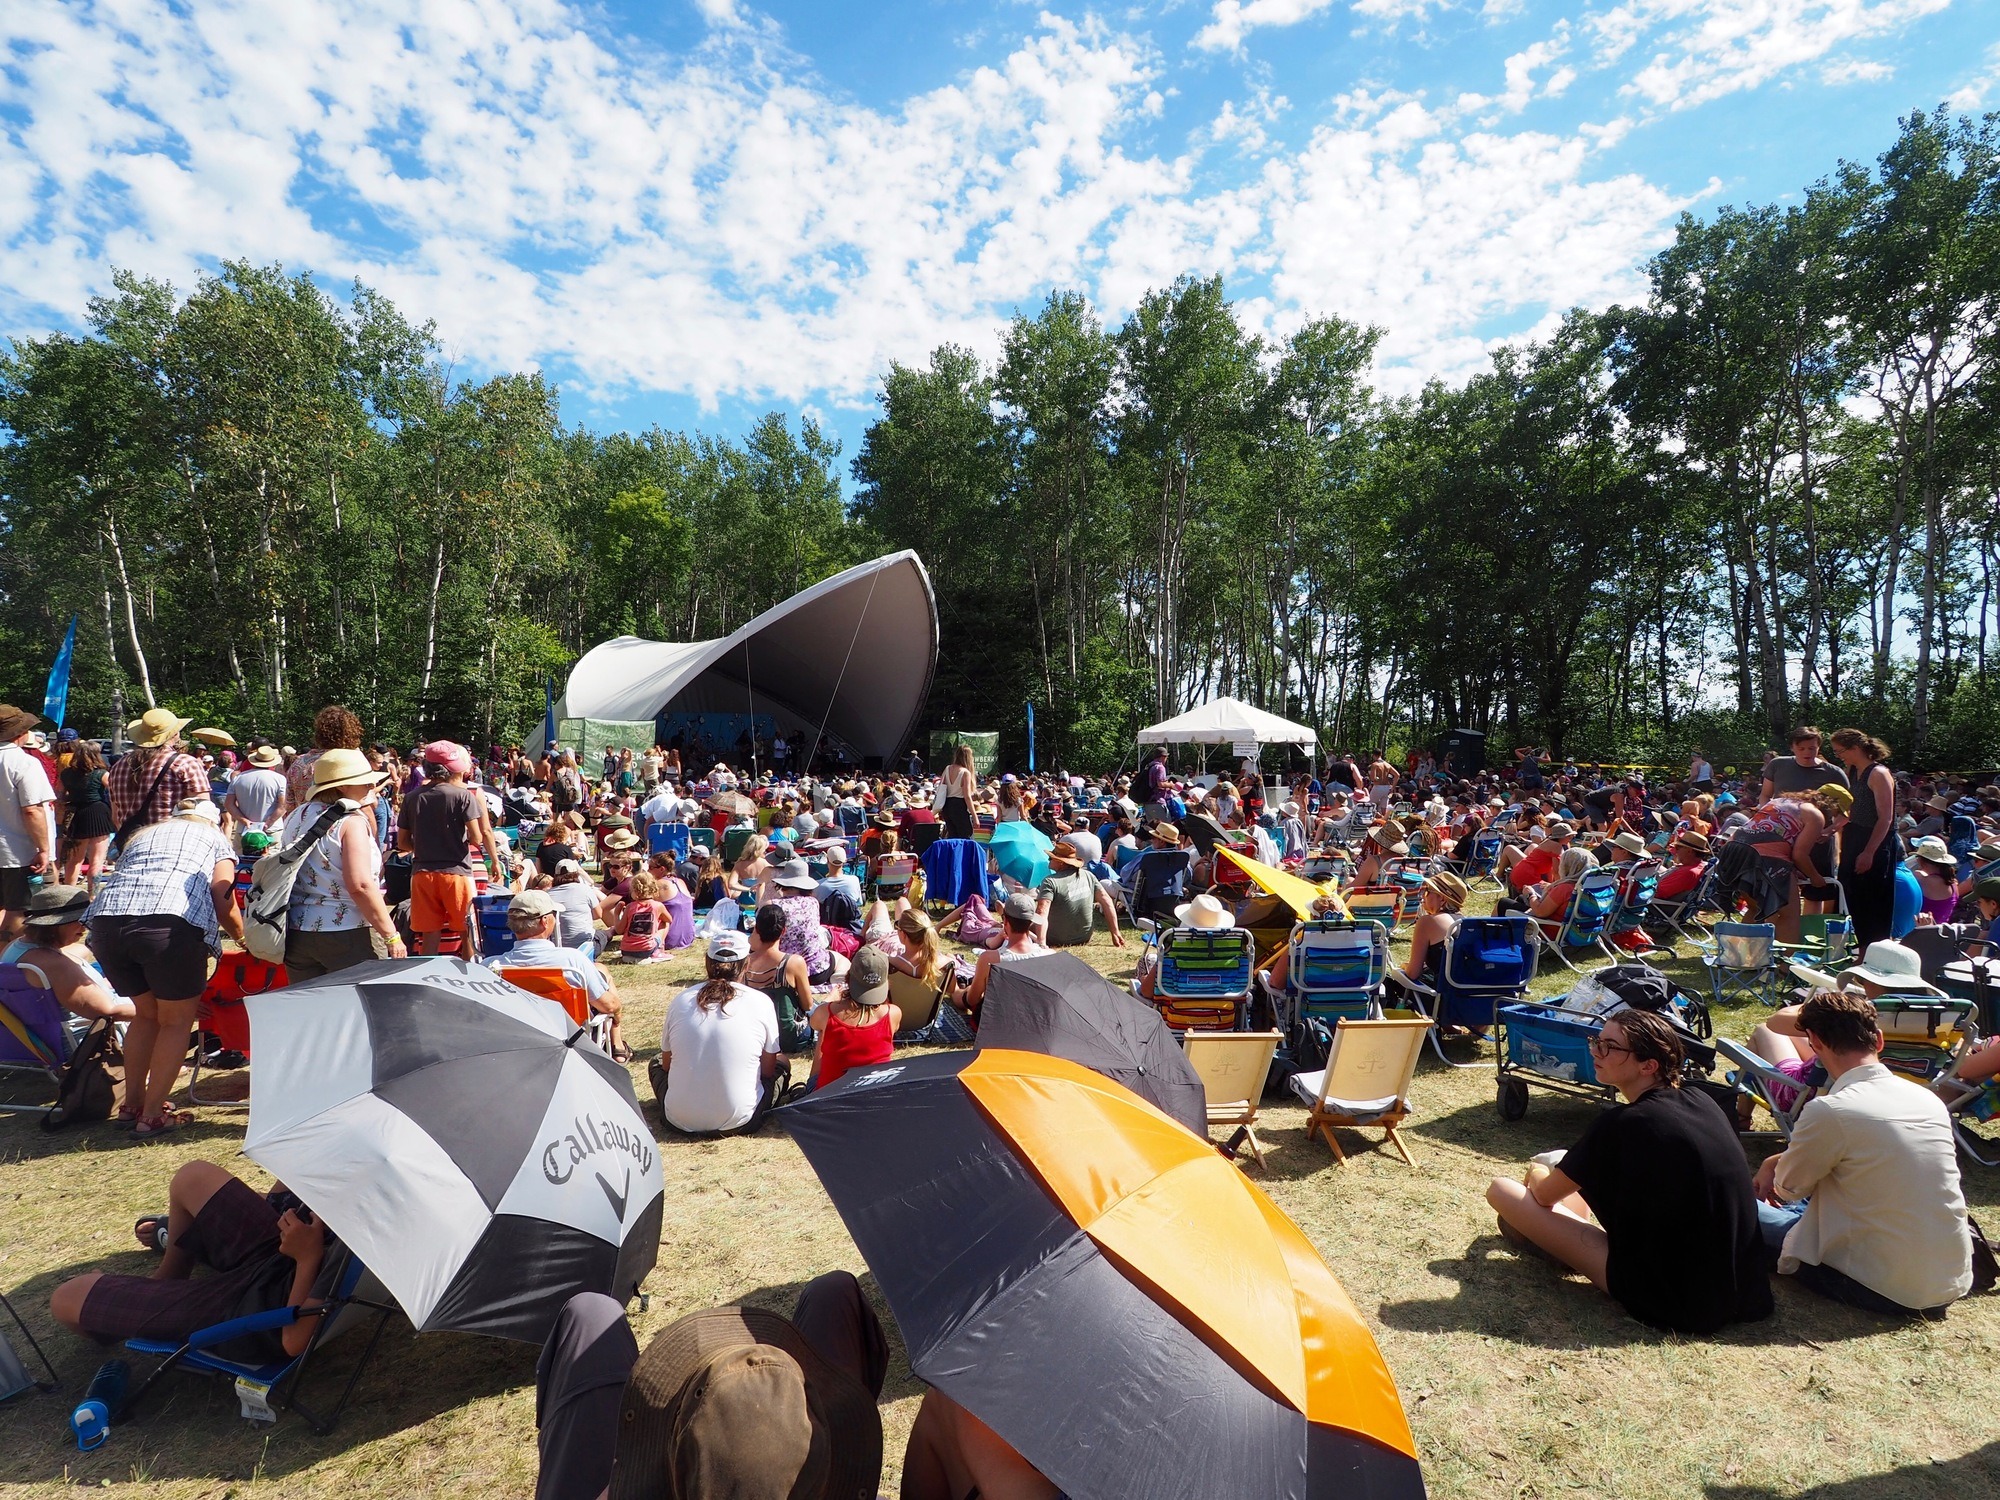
point(1518, 1382)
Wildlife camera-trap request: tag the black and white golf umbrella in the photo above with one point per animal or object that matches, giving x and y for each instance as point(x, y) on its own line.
point(463, 1137)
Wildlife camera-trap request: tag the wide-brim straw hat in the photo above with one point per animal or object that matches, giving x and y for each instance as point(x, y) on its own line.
point(1891, 966)
point(1205, 913)
point(266, 758)
point(344, 768)
point(154, 728)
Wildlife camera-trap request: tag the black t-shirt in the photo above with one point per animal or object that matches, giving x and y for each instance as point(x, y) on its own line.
point(1667, 1179)
point(551, 853)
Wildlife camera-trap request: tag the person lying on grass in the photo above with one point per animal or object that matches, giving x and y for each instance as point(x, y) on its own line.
point(263, 1251)
point(1675, 1239)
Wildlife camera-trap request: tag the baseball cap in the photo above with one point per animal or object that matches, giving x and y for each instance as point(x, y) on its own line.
point(728, 947)
point(1020, 907)
point(533, 904)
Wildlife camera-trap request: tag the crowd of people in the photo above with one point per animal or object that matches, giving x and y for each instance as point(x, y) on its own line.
point(807, 898)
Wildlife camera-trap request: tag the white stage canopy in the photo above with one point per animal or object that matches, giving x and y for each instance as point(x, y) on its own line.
point(854, 653)
point(1228, 721)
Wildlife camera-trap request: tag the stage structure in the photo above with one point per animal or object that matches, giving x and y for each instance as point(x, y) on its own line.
point(849, 659)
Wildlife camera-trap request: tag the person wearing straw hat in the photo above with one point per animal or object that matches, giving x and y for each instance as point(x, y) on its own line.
point(153, 927)
point(257, 799)
point(1444, 896)
point(1936, 869)
point(731, 1401)
point(156, 777)
point(1069, 897)
point(338, 917)
point(1690, 850)
point(52, 953)
point(27, 817)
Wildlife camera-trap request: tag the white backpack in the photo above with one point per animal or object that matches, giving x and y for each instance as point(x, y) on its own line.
point(266, 910)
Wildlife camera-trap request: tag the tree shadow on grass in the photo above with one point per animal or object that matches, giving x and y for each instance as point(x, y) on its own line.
point(1525, 1300)
point(1975, 1473)
point(189, 1425)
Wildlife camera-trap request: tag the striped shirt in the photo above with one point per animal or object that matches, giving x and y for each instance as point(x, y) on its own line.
point(165, 871)
point(128, 780)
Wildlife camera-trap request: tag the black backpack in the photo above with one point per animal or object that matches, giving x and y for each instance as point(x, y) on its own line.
point(87, 1089)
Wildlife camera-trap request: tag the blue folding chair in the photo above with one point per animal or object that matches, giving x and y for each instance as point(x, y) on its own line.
point(1635, 899)
point(1155, 883)
point(1679, 915)
point(1586, 921)
point(1487, 962)
point(668, 838)
point(1476, 861)
point(1334, 968)
point(34, 1034)
point(279, 1378)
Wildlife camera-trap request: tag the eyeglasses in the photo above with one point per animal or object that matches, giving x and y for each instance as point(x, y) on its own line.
point(1599, 1047)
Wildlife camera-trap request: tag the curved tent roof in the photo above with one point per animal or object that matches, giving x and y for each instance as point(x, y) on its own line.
point(854, 653)
point(1225, 721)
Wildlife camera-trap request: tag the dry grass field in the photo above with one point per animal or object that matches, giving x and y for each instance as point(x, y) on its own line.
point(1518, 1383)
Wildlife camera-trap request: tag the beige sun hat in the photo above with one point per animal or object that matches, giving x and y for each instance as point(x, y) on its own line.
point(155, 727)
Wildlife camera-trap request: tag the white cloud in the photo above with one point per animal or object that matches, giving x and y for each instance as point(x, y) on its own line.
point(1971, 96)
point(1232, 20)
point(1703, 49)
point(1855, 70)
point(720, 225)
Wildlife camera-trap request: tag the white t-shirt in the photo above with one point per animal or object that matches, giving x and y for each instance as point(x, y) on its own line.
point(23, 784)
point(716, 1075)
point(257, 794)
point(665, 808)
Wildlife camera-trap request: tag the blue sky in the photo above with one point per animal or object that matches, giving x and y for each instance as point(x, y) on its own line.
point(694, 211)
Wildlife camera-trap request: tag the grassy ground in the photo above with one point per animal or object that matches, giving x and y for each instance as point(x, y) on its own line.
point(1517, 1382)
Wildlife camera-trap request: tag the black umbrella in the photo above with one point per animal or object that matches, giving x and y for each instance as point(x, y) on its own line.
point(1060, 1006)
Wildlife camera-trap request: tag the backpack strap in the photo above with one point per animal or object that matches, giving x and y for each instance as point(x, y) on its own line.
point(295, 851)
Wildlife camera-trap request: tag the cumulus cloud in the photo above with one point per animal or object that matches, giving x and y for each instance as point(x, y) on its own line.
point(1703, 49)
point(1232, 20)
point(723, 226)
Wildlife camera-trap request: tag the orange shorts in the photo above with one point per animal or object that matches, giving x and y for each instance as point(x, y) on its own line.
point(440, 901)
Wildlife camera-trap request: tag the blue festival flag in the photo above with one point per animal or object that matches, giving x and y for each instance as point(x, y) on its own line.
point(1031, 736)
point(55, 703)
point(549, 715)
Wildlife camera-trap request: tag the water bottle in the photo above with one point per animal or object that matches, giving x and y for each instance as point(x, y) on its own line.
point(101, 1404)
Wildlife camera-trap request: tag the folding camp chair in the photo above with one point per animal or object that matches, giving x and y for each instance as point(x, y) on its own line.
point(1202, 980)
point(1781, 1096)
point(489, 922)
point(34, 1034)
point(668, 838)
point(893, 876)
point(1232, 1067)
point(556, 984)
point(1155, 883)
point(1487, 962)
point(356, 1296)
point(1409, 872)
point(1334, 969)
point(221, 1015)
point(1381, 904)
point(1366, 1081)
point(1476, 860)
point(1626, 930)
point(701, 838)
point(1745, 962)
point(1586, 922)
point(1320, 868)
point(1671, 920)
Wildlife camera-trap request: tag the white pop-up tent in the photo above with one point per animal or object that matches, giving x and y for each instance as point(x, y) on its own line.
point(1228, 721)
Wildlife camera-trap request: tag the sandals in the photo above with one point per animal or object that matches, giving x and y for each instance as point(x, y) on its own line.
point(126, 1117)
point(162, 1125)
point(151, 1230)
point(621, 1053)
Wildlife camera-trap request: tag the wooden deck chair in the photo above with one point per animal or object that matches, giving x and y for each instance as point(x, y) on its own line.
point(1232, 1067)
point(555, 984)
point(1366, 1081)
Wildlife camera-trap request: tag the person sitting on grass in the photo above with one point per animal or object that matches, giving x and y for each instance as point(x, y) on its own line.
point(856, 1028)
point(1676, 1239)
point(719, 1053)
point(1864, 1205)
point(1018, 941)
point(53, 956)
point(534, 918)
point(642, 923)
point(783, 977)
point(1067, 900)
point(263, 1252)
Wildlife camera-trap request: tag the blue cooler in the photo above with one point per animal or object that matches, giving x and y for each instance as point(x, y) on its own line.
point(1554, 1043)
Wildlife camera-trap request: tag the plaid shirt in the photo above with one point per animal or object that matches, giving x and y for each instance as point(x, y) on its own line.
point(128, 780)
point(165, 871)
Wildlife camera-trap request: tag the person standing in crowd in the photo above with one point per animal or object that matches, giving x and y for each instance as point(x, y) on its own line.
point(156, 777)
point(86, 797)
point(335, 727)
point(153, 927)
point(958, 793)
point(338, 917)
point(27, 822)
point(1870, 850)
point(1382, 780)
point(1802, 770)
point(443, 822)
point(258, 798)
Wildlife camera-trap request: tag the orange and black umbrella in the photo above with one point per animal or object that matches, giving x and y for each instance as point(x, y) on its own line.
point(1101, 1288)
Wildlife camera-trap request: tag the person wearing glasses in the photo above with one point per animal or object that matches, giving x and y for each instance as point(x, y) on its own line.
point(1654, 1204)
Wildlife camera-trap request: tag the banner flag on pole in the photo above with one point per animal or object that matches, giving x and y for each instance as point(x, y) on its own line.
point(1031, 736)
point(549, 715)
point(55, 703)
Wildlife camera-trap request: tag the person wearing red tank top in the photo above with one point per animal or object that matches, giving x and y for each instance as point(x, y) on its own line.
point(858, 1030)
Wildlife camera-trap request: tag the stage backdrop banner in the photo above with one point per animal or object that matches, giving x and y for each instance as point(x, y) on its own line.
point(985, 745)
point(589, 738)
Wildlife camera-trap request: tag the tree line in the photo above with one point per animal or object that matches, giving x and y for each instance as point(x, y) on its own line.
point(1766, 494)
